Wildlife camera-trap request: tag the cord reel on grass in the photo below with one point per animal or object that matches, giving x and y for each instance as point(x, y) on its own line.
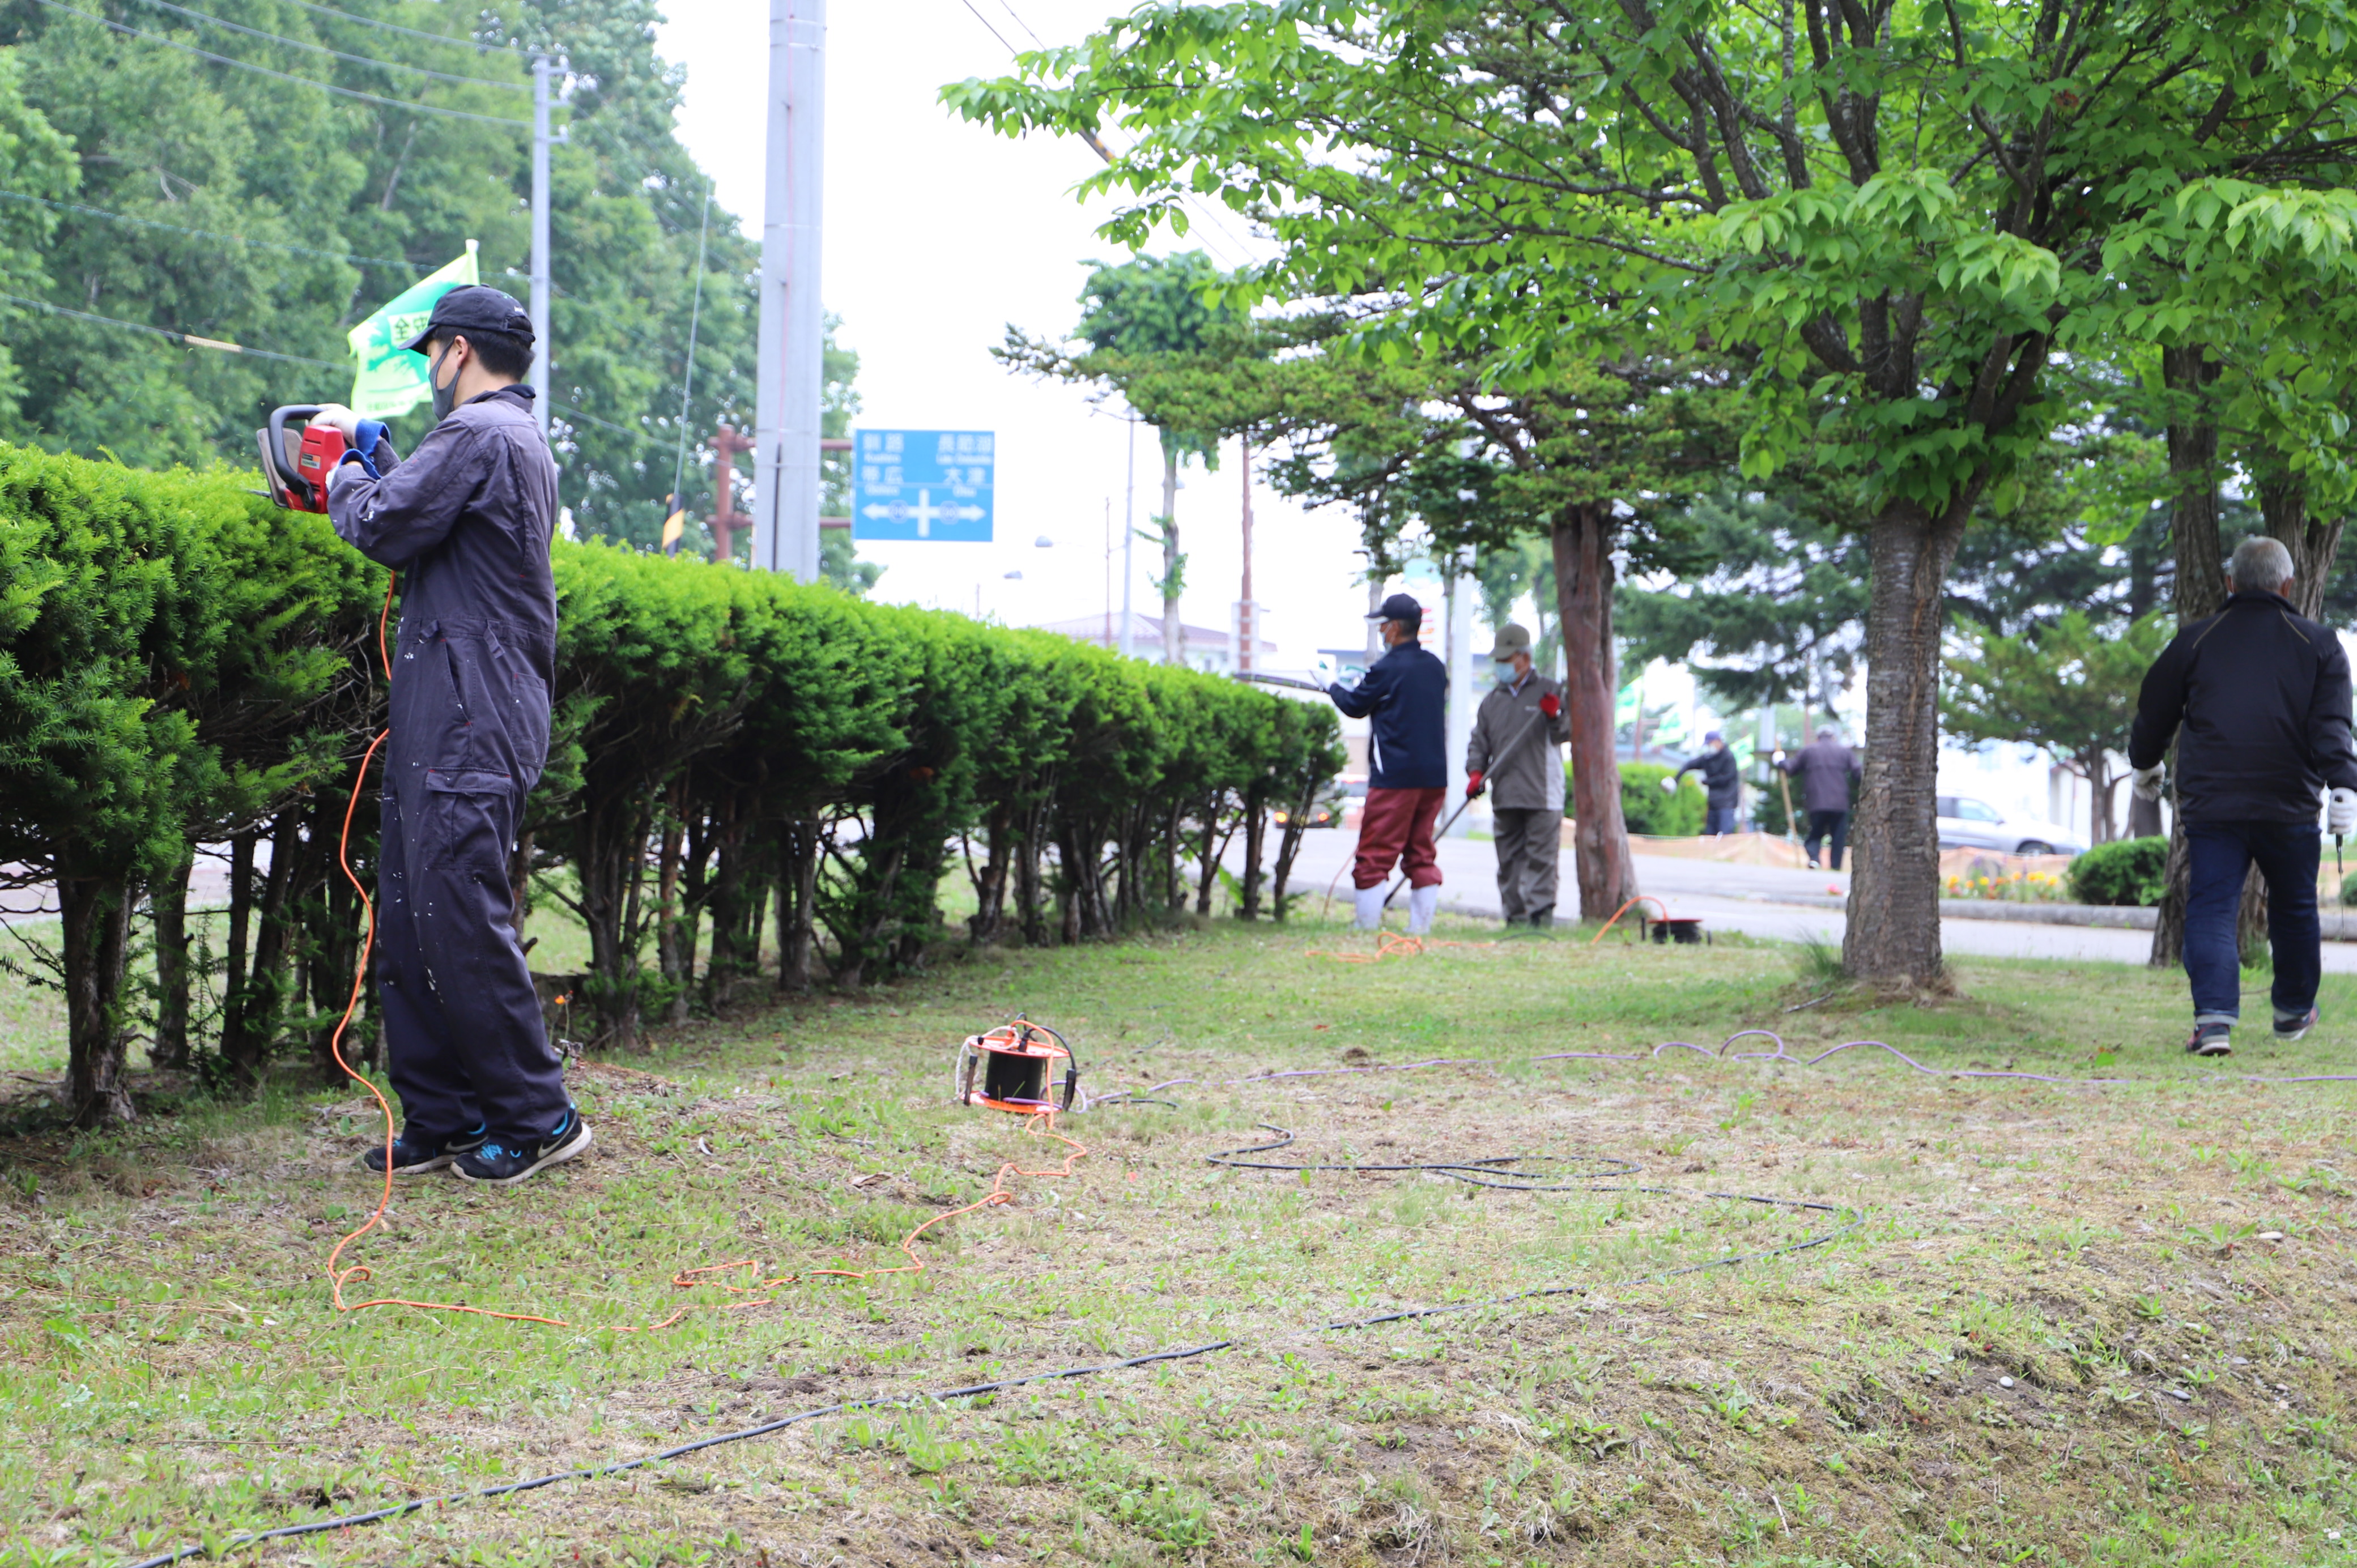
point(1008, 1068)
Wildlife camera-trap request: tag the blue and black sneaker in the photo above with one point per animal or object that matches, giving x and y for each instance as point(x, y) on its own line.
point(506, 1164)
point(414, 1153)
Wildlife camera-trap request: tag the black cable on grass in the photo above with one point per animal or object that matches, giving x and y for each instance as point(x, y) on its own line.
point(1474, 1171)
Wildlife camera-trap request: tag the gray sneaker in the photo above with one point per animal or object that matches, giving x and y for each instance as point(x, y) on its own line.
point(2293, 1028)
point(2210, 1040)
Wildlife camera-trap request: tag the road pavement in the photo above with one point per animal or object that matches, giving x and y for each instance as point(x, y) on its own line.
point(1738, 898)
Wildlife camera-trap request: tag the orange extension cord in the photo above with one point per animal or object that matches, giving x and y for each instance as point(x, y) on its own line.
point(1038, 1123)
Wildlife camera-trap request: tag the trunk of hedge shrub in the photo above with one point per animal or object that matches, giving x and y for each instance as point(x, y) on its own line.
point(609, 860)
point(259, 994)
point(1255, 839)
point(990, 881)
point(168, 903)
point(95, 919)
point(1288, 843)
point(797, 858)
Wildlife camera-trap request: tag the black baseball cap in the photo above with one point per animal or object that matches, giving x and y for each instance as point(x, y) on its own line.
point(473, 308)
point(1399, 606)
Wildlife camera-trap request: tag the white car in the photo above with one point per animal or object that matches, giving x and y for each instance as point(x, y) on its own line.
point(1967, 824)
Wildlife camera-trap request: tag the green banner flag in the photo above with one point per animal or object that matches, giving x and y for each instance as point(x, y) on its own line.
point(387, 379)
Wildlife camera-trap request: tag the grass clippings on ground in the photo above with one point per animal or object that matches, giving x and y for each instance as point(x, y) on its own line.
point(2072, 1325)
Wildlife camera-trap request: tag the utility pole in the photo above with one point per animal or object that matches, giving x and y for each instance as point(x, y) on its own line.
point(786, 461)
point(1128, 538)
point(540, 141)
point(726, 445)
point(1459, 570)
point(1248, 614)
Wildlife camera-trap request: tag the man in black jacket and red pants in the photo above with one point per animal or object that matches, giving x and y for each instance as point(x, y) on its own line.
point(2262, 694)
point(1405, 699)
point(466, 521)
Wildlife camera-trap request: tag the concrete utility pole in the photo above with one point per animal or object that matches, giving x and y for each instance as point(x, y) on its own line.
point(539, 143)
point(1248, 613)
point(793, 329)
point(1460, 678)
point(1128, 539)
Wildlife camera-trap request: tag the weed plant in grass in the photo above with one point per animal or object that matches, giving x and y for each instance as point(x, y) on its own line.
point(2077, 1325)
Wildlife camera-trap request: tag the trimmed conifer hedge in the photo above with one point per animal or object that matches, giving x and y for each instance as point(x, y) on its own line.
point(184, 664)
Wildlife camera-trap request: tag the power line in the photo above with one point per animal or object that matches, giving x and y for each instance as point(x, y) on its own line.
point(285, 76)
point(210, 234)
point(475, 44)
point(687, 375)
point(324, 49)
point(191, 338)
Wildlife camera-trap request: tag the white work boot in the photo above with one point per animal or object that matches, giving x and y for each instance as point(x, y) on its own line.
point(1421, 904)
point(1370, 909)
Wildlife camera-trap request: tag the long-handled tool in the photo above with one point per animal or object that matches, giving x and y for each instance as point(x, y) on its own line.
point(1258, 679)
point(1496, 762)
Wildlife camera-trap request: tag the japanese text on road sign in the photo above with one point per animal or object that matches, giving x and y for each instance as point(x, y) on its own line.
point(922, 484)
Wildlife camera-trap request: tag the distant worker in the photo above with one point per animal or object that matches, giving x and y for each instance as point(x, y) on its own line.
point(1824, 767)
point(2262, 696)
point(1403, 697)
point(1721, 779)
point(1513, 755)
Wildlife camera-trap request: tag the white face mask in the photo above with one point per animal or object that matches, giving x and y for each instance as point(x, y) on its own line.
point(1506, 676)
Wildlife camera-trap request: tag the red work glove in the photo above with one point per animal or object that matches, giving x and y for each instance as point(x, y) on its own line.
point(1550, 704)
point(1473, 785)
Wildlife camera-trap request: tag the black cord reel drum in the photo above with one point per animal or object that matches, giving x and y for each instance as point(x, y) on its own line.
point(1010, 1069)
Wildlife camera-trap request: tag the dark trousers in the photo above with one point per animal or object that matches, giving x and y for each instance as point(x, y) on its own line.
point(465, 1043)
point(1395, 826)
point(1821, 825)
point(1719, 820)
point(1530, 855)
point(2222, 856)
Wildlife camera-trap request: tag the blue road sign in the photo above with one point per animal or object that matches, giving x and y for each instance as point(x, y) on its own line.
point(922, 484)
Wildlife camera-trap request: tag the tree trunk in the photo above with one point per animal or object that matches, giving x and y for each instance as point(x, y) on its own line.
point(2097, 764)
point(246, 1046)
point(1174, 634)
point(678, 971)
point(95, 933)
point(1582, 540)
point(1255, 843)
point(797, 903)
point(1893, 930)
point(168, 902)
point(1288, 844)
point(2188, 374)
point(990, 882)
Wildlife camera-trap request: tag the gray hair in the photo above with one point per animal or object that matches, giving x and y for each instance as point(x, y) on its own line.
point(2260, 565)
point(1827, 732)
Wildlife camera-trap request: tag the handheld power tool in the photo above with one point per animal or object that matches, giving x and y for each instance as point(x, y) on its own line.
point(297, 456)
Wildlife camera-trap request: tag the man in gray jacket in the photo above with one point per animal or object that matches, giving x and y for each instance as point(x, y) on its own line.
point(1516, 732)
point(466, 521)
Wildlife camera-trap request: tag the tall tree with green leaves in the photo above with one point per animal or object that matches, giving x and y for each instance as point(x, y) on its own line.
point(1900, 212)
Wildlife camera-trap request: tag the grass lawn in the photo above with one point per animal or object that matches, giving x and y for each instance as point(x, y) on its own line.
point(2074, 1325)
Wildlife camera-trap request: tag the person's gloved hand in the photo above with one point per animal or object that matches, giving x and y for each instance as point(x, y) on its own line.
point(1473, 785)
point(1670, 785)
point(2341, 811)
point(2146, 781)
point(1550, 704)
point(1777, 755)
point(336, 416)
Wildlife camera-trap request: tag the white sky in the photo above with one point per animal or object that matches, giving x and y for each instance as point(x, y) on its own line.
point(938, 234)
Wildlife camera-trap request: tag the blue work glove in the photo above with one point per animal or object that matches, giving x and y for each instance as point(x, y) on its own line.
point(366, 433)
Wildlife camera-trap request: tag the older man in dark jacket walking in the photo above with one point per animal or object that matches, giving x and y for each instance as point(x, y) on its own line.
point(2260, 695)
point(1824, 767)
point(466, 521)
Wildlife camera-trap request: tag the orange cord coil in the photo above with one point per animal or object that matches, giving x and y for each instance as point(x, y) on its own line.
point(1008, 1069)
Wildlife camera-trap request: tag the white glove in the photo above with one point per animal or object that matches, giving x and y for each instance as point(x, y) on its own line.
point(2148, 781)
point(336, 416)
point(341, 471)
point(1670, 786)
point(2341, 811)
point(1776, 756)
